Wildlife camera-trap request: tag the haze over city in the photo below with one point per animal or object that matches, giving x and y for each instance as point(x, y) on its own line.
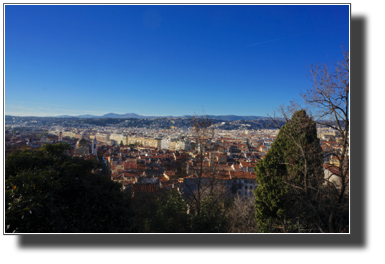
point(164, 60)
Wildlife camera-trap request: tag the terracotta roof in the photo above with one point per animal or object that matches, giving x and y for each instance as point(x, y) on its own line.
point(148, 187)
point(247, 164)
point(237, 167)
point(169, 173)
point(223, 167)
point(333, 169)
point(117, 177)
point(130, 165)
point(242, 175)
point(130, 174)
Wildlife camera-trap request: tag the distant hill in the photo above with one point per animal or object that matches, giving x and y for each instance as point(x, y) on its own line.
point(233, 117)
point(128, 115)
point(61, 116)
point(133, 115)
point(82, 116)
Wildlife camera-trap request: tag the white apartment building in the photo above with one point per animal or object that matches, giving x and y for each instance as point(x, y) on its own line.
point(165, 143)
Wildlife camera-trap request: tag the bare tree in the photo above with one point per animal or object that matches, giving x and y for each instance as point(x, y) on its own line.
point(202, 173)
point(328, 98)
point(242, 216)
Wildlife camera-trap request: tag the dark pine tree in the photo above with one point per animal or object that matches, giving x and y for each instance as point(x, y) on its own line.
point(288, 175)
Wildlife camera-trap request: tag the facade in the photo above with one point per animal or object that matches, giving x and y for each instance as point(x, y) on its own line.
point(165, 143)
point(183, 145)
point(146, 142)
point(82, 147)
point(119, 138)
point(332, 176)
point(172, 145)
point(102, 137)
point(95, 147)
point(245, 187)
point(69, 134)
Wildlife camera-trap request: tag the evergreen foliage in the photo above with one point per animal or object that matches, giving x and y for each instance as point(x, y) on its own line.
point(171, 215)
point(212, 217)
point(290, 171)
point(47, 191)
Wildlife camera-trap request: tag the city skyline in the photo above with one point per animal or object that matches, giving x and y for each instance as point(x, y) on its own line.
point(166, 59)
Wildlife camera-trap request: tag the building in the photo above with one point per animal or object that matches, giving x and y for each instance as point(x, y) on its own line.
point(102, 137)
point(165, 143)
point(82, 147)
point(183, 145)
point(69, 134)
point(243, 183)
point(146, 142)
point(119, 138)
point(95, 147)
point(332, 176)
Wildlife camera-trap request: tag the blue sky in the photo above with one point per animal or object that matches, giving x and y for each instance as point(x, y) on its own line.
point(165, 60)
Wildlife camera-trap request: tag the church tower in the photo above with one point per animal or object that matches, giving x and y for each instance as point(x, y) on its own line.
point(94, 147)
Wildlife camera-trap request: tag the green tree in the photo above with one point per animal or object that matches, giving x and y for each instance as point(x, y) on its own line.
point(289, 176)
point(171, 215)
point(48, 191)
point(212, 217)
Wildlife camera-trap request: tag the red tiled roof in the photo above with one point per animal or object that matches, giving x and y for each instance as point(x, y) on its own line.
point(149, 187)
point(248, 164)
point(117, 177)
point(333, 169)
point(242, 175)
point(170, 173)
point(129, 174)
point(130, 165)
point(237, 167)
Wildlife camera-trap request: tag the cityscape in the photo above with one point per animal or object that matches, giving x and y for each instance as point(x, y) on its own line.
point(214, 139)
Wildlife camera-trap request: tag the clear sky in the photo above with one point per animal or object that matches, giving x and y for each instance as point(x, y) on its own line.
point(165, 59)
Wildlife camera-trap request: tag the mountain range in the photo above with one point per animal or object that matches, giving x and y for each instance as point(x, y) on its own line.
point(133, 115)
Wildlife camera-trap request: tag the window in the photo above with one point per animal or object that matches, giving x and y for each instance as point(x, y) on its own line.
point(246, 181)
point(245, 187)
